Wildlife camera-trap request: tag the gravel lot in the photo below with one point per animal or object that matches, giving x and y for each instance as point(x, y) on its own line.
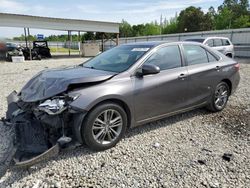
point(181, 151)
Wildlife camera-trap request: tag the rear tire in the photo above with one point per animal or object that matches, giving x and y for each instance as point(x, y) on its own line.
point(220, 97)
point(104, 126)
point(7, 148)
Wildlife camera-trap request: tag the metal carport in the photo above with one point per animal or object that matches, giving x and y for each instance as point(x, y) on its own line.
point(26, 21)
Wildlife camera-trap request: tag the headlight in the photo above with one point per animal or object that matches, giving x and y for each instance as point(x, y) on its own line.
point(57, 105)
point(54, 104)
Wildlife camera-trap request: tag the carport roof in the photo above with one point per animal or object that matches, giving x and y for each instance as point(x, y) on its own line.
point(25, 21)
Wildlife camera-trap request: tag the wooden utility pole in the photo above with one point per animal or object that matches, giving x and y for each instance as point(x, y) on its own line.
point(117, 39)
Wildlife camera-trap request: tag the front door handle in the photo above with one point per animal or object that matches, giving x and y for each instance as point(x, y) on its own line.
point(217, 68)
point(182, 76)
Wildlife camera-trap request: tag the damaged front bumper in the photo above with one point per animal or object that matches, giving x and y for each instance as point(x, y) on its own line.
point(41, 132)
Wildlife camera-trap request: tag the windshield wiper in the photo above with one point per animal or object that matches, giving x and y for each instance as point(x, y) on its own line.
point(89, 67)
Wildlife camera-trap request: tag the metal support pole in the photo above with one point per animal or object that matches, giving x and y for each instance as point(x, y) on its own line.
point(29, 43)
point(25, 35)
point(117, 39)
point(79, 42)
point(69, 41)
point(102, 42)
point(231, 36)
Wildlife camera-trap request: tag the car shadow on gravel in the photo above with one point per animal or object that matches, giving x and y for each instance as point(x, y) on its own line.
point(235, 121)
point(18, 174)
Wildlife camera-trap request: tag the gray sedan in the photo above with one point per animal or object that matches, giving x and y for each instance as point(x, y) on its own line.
point(133, 84)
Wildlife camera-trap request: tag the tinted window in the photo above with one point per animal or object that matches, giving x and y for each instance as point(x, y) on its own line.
point(166, 58)
point(195, 54)
point(218, 42)
point(210, 43)
point(211, 58)
point(117, 59)
point(225, 42)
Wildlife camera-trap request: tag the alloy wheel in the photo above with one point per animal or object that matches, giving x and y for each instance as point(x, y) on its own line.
point(107, 126)
point(221, 96)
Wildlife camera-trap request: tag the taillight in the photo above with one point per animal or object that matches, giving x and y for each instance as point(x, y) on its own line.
point(237, 66)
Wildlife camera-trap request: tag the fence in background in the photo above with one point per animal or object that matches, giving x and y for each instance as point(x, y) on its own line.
point(239, 37)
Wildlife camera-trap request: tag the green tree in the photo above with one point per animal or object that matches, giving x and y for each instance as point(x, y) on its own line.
point(193, 19)
point(125, 29)
point(152, 29)
point(88, 36)
point(223, 20)
point(138, 30)
point(234, 14)
point(242, 22)
point(170, 26)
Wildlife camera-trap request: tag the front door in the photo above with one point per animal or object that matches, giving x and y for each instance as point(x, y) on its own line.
point(162, 93)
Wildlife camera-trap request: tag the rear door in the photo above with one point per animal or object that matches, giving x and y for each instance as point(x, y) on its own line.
point(218, 45)
point(203, 71)
point(162, 93)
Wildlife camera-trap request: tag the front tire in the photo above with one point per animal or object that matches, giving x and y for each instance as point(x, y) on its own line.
point(220, 97)
point(104, 126)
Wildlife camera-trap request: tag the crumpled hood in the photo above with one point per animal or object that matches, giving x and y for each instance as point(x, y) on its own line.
point(49, 83)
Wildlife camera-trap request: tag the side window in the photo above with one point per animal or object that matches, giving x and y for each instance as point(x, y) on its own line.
point(225, 42)
point(195, 54)
point(210, 57)
point(218, 42)
point(166, 58)
point(210, 43)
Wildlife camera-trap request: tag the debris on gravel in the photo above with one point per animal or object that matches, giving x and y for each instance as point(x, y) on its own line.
point(185, 150)
point(227, 157)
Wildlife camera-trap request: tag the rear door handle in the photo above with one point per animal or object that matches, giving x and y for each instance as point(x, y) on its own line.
point(182, 76)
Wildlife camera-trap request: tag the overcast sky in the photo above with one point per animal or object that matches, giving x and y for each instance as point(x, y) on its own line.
point(133, 11)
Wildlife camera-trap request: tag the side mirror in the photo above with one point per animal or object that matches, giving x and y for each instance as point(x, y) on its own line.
point(148, 69)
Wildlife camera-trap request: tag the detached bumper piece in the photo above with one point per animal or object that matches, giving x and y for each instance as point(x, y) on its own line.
point(52, 152)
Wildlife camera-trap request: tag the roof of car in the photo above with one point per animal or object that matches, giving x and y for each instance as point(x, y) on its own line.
point(148, 43)
point(152, 44)
point(204, 38)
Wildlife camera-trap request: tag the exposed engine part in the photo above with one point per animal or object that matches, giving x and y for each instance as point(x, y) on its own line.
point(53, 106)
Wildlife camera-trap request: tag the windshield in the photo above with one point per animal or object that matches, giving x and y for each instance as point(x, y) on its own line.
point(117, 59)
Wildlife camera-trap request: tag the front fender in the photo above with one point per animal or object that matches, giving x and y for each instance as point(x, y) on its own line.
point(86, 105)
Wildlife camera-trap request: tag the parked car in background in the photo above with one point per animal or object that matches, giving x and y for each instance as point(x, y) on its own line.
point(42, 49)
point(12, 50)
point(3, 50)
point(221, 44)
point(129, 85)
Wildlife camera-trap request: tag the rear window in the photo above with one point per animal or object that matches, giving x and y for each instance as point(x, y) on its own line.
point(210, 43)
point(225, 42)
point(195, 54)
point(211, 58)
point(218, 42)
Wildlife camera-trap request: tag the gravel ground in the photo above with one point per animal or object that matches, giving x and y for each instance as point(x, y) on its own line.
point(194, 149)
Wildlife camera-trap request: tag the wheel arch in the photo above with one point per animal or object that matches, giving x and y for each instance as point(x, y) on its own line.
point(119, 102)
point(229, 55)
point(229, 83)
